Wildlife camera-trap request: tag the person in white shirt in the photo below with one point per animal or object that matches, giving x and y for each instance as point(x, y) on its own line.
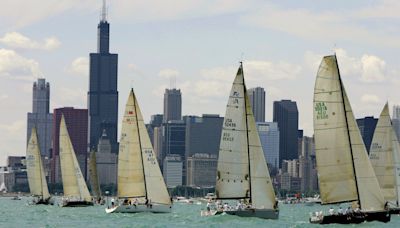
point(331, 211)
point(340, 211)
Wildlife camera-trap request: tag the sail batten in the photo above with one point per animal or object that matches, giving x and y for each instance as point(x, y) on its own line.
point(36, 177)
point(73, 181)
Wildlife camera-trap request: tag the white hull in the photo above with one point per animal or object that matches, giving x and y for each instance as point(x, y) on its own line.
point(155, 208)
point(259, 213)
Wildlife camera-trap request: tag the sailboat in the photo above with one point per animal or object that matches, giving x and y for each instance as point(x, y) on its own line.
point(141, 187)
point(242, 173)
point(76, 193)
point(36, 178)
point(345, 172)
point(385, 159)
point(94, 179)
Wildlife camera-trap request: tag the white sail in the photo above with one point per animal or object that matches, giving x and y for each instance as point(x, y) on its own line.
point(370, 195)
point(233, 161)
point(382, 155)
point(341, 160)
point(332, 147)
point(73, 182)
point(396, 163)
point(94, 178)
point(130, 167)
point(36, 177)
point(156, 189)
point(262, 191)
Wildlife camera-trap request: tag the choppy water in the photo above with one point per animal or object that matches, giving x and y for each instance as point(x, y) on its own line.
point(17, 213)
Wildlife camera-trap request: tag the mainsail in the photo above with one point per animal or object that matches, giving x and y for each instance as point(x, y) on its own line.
point(344, 170)
point(242, 172)
point(36, 178)
point(94, 179)
point(384, 155)
point(139, 175)
point(73, 182)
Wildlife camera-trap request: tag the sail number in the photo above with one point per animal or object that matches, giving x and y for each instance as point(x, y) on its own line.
point(229, 123)
point(321, 110)
point(227, 137)
point(150, 156)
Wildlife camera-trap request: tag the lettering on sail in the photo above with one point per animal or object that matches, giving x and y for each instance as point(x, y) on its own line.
point(227, 137)
point(321, 110)
point(150, 156)
point(375, 146)
point(229, 123)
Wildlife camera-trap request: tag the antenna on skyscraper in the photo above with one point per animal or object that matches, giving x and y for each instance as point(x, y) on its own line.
point(104, 12)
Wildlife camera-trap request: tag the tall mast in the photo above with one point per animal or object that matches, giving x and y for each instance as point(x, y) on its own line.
point(140, 143)
point(247, 130)
point(348, 133)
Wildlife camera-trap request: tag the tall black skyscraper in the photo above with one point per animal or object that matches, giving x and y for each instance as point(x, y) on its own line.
point(367, 128)
point(172, 105)
point(103, 93)
point(287, 117)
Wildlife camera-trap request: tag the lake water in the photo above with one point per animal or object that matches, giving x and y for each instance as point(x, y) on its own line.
point(17, 213)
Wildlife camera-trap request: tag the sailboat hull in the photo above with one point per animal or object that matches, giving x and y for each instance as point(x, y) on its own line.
point(259, 213)
point(394, 211)
point(75, 203)
point(353, 218)
point(155, 208)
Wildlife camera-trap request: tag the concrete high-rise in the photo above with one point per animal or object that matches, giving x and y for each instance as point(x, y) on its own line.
point(103, 93)
point(287, 117)
point(396, 112)
point(396, 120)
point(40, 116)
point(367, 128)
point(77, 125)
point(172, 105)
point(257, 101)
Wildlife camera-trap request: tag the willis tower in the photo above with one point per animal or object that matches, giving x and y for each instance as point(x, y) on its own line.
point(103, 93)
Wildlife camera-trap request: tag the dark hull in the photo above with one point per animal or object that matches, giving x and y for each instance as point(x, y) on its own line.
point(77, 204)
point(394, 211)
point(354, 218)
point(44, 202)
point(259, 213)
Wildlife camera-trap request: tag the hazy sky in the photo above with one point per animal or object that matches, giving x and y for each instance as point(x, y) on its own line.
point(200, 43)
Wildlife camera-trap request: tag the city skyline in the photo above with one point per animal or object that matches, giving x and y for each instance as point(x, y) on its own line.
point(200, 45)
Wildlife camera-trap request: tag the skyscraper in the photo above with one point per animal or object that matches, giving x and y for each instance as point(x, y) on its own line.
point(269, 138)
point(172, 105)
point(396, 112)
point(367, 128)
point(77, 125)
point(287, 117)
point(257, 101)
point(40, 116)
point(203, 134)
point(103, 93)
point(396, 120)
